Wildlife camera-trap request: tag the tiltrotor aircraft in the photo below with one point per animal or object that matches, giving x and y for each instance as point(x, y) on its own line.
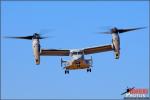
point(78, 60)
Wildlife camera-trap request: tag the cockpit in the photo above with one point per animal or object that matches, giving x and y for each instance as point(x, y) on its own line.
point(77, 54)
point(74, 53)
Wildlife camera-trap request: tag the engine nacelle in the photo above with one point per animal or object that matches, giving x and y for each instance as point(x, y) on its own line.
point(116, 47)
point(36, 50)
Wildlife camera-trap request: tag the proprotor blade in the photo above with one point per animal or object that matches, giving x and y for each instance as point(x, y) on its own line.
point(42, 37)
point(130, 29)
point(22, 37)
point(105, 32)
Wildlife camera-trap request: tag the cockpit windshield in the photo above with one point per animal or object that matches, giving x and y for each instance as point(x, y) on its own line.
point(74, 53)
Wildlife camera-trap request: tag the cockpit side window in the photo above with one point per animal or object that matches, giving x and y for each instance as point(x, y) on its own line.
point(75, 53)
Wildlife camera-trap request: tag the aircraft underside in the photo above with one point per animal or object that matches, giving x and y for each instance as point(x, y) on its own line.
point(76, 65)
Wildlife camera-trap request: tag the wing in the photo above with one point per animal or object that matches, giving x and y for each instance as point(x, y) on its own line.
point(98, 49)
point(54, 52)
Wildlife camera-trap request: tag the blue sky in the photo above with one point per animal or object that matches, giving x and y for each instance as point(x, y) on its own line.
point(73, 25)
